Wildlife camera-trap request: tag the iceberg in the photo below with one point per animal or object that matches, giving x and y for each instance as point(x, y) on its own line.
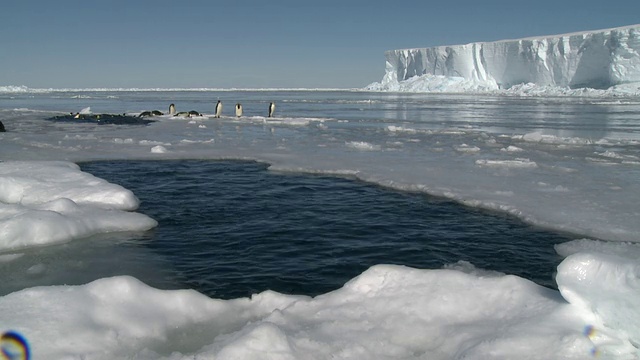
point(599, 59)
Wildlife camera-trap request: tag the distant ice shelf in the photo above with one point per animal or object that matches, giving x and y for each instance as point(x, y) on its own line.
point(602, 59)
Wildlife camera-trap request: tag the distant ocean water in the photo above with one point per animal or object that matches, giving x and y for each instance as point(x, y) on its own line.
point(230, 229)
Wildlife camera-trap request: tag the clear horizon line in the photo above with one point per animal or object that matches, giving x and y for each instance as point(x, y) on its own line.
point(26, 89)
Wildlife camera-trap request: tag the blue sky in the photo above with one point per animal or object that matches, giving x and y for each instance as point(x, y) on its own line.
point(258, 44)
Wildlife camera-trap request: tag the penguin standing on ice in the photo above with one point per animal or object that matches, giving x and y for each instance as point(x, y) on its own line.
point(218, 109)
point(172, 109)
point(238, 110)
point(272, 108)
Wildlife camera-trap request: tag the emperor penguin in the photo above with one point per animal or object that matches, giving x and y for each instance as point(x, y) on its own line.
point(172, 109)
point(272, 108)
point(218, 109)
point(238, 110)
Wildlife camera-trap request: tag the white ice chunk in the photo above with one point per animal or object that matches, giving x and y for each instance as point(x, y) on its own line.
point(44, 203)
point(37, 182)
point(607, 284)
point(159, 149)
point(362, 145)
point(62, 220)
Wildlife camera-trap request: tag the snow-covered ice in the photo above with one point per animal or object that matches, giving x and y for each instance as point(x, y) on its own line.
point(44, 203)
point(526, 157)
point(388, 312)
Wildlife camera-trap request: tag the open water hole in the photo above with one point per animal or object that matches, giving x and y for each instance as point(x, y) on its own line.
point(230, 229)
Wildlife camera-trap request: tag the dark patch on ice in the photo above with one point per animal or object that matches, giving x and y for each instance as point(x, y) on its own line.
point(102, 119)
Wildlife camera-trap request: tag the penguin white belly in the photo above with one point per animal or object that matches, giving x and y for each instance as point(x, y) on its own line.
point(218, 109)
point(272, 109)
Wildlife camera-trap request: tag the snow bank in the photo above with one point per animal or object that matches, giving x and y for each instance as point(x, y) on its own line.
point(37, 182)
point(44, 203)
point(388, 312)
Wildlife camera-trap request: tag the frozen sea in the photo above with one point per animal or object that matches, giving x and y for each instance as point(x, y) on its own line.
point(353, 224)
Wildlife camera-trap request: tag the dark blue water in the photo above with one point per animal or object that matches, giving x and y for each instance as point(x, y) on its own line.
point(231, 229)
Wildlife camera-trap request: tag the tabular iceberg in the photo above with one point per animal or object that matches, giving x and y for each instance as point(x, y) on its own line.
point(591, 59)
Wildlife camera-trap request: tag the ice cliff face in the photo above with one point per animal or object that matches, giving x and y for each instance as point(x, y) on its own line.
point(593, 59)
